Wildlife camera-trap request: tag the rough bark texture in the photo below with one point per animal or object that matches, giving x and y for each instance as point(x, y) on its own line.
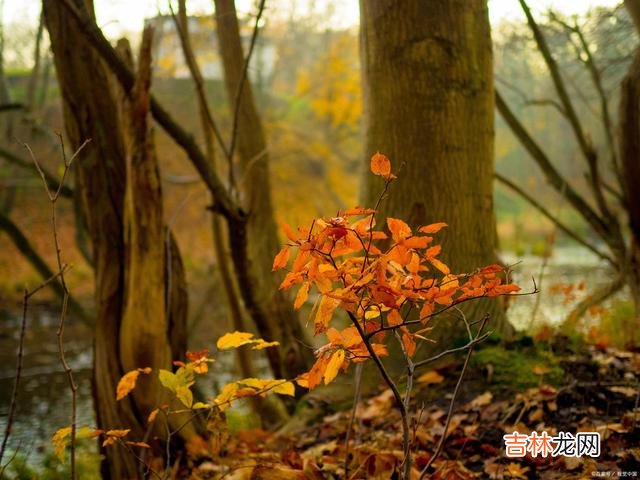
point(428, 101)
point(630, 160)
point(272, 312)
point(92, 109)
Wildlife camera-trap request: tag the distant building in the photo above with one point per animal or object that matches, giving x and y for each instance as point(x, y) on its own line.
point(169, 60)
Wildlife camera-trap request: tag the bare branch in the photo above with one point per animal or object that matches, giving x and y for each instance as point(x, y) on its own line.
point(585, 144)
point(423, 473)
point(224, 203)
point(561, 226)
point(52, 181)
point(553, 176)
point(243, 79)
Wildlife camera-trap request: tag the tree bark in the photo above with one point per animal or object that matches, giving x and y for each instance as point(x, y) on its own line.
point(630, 159)
point(275, 318)
point(429, 106)
point(129, 332)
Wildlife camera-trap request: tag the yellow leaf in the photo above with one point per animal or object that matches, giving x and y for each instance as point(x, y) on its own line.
point(185, 395)
point(261, 344)
point(117, 433)
point(227, 394)
point(285, 388)
point(302, 295)
point(126, 384)
point(325, 313)
point(372, 312)
point(59, 440)
point(430, 377)
point(234, 339)
point(380, 165)
point(281, 258)
point(200, 405)
point(335, 362)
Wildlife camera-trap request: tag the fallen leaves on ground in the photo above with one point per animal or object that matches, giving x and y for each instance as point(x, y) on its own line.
point(597, 396)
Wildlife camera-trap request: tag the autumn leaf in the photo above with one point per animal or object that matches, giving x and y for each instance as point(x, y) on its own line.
point(302, 295)
point(284, 388)
point(260, 344)
point(430, 377)
point(118, 433)
point(128, 382)
point(138, 444)
point(380, 165)
point(152, 416)
point(281, 258)
point(226, 395)
point(325, 313)
point(59, 440)
point(399, 229)
point(234, 340)
point(433, 228)
point(335, 362)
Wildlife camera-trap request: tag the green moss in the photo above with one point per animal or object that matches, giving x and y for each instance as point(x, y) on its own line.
point(515, 369)
point(616, 322)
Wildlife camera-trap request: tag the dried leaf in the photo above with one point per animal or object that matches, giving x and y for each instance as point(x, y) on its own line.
point(335, 362)
point(380, 165)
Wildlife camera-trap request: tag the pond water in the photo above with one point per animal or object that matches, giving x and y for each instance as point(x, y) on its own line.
point(45, 402)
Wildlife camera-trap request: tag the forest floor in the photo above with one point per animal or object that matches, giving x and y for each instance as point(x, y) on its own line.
point(553, 386)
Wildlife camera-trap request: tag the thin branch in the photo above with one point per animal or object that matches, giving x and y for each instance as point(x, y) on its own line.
point(552, 218)
point(53, 197)
point(224, 203)
point(387, 379)
point(423, 473)
point(52, 181)
point(583, 141)
point(182, 26)
point(19, 360)
point(238, 100)
point(25, 247)
point(553, 176)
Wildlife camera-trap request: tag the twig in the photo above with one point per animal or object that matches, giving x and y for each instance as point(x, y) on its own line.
point(423, 473)
point(356, 400)
point(53, 198)
point(16, 381)
point(390, 383)
point(238, 100)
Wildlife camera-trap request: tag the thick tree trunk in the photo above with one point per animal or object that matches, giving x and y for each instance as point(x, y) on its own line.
point(630, 160)
point(280, 322)
point(429, 106)
point(129, 332)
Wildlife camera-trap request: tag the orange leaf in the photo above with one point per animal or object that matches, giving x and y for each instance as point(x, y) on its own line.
point(128, 382)
point(302, 295)
point(380, 165)
point(399, 230)
point(152, 416)
point(281, 258)
point(430, 377)
point(325, 313)
point(117, 433)
point(394, 318)
point(138, 444)
point(433, 228)
point(333, 366)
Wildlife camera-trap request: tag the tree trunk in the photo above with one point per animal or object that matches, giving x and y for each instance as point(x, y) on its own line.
point(630, 160)
point(129, 332)
point(280, 322)
point(429, 106)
